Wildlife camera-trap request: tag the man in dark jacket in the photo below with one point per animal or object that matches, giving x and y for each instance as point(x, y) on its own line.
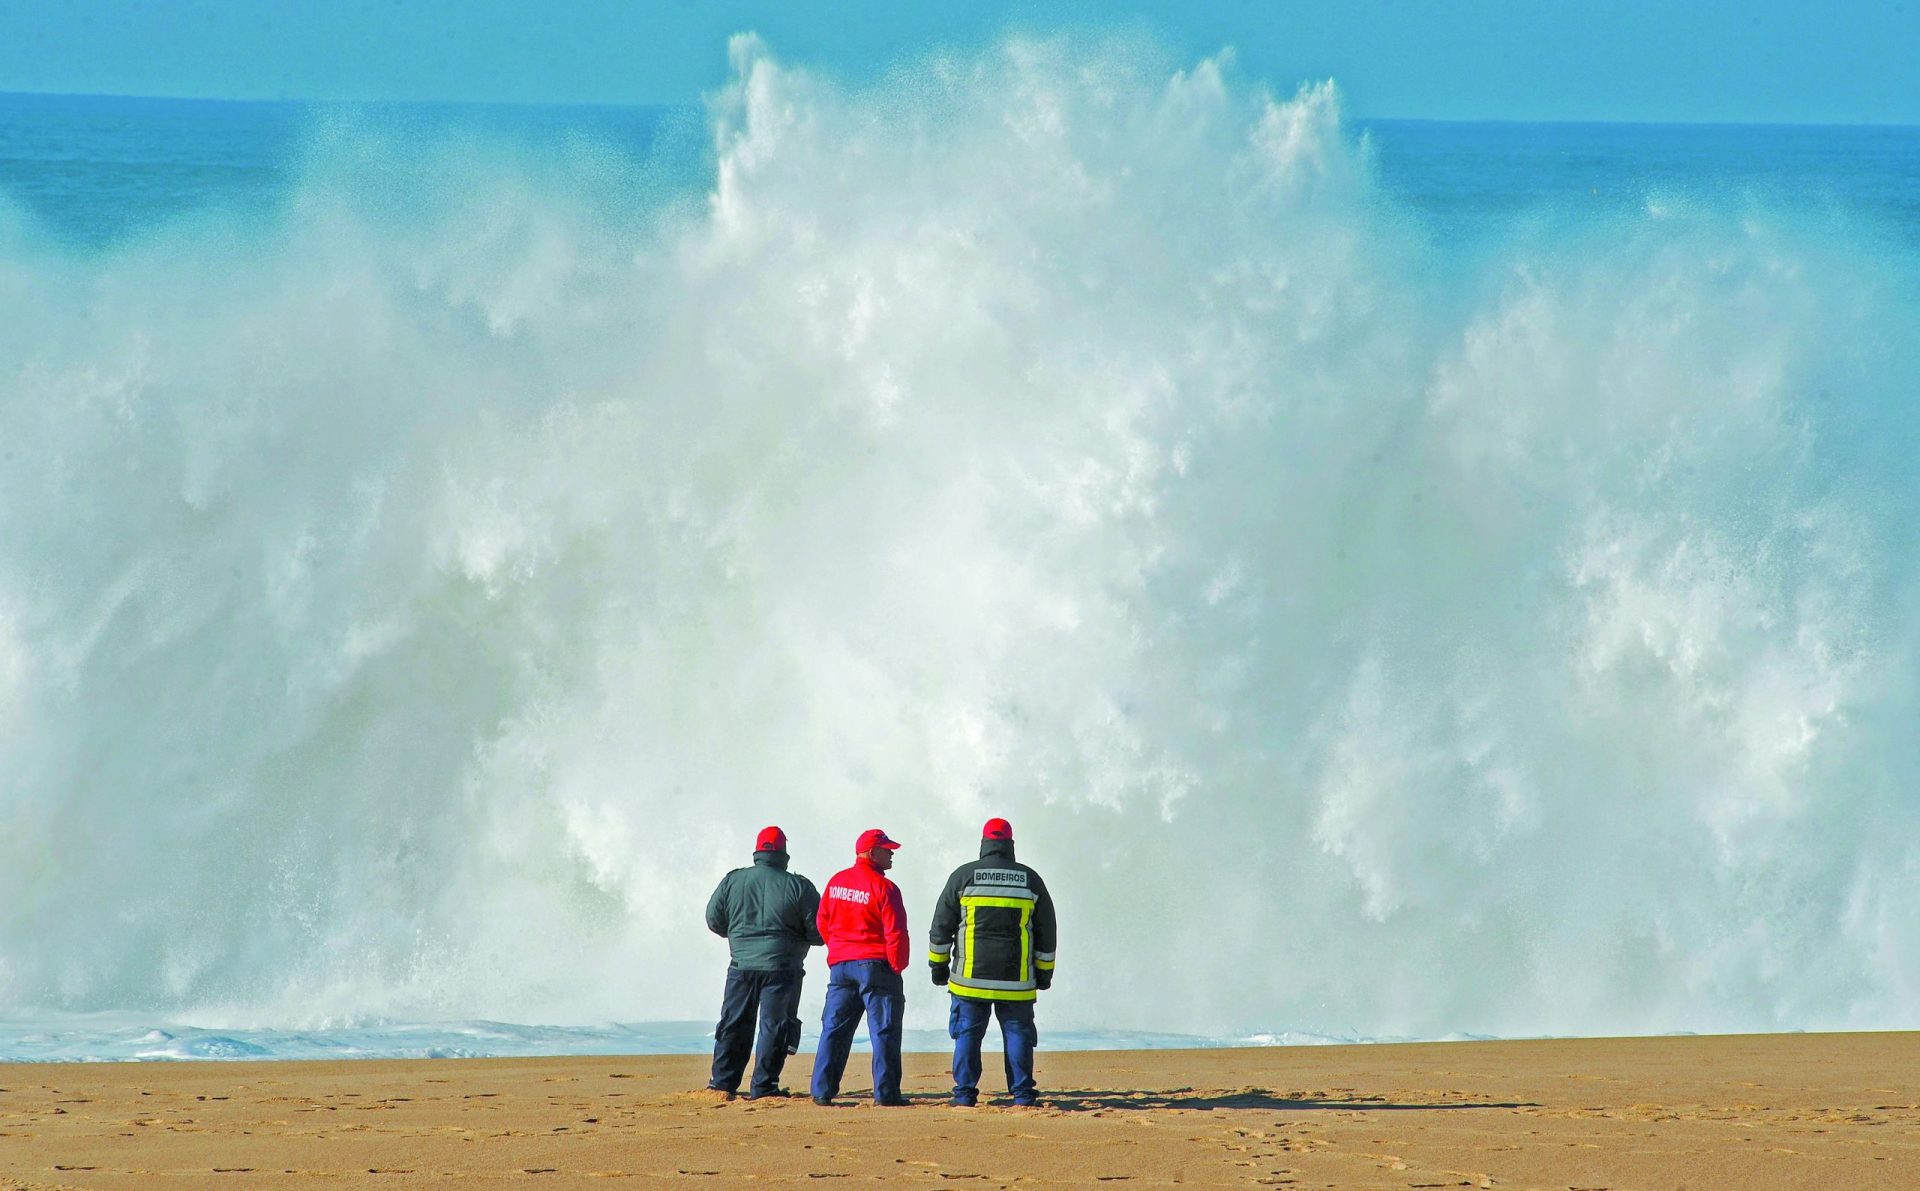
point(993, 938)
point(766, 914)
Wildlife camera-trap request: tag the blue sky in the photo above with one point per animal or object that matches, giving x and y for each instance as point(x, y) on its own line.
point(1842, 62)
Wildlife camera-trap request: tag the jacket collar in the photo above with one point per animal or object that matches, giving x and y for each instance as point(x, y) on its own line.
point(996, 849)
point(771, 859)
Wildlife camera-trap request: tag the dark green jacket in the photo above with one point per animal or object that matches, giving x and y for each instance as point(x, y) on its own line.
point(766, 914)
point(993, 929)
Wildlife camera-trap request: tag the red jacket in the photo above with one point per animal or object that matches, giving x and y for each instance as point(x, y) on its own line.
point(862, 917)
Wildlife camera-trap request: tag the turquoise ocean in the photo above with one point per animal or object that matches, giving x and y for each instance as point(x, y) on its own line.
point(1402, 579)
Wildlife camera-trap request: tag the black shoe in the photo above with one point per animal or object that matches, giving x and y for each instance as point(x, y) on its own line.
point(964, 1102)
point(824, 1101)
point(893, 1102)
point(770, 1094)
point(1028, 1102)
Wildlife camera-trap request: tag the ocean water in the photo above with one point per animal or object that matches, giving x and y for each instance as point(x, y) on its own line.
point(133, 1037)
point(1401, 579)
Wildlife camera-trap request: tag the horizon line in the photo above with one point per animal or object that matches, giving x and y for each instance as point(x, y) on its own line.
point(691, 105)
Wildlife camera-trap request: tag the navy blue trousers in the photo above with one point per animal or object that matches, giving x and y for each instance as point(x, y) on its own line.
point(967, 1026)
point(872, 985)
point(773, 998)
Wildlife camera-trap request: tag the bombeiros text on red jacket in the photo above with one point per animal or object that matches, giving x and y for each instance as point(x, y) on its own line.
point(862, 916)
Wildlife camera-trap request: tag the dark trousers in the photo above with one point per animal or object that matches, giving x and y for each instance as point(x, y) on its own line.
point(774, 997)
point(967, 1026)
point(871, 985)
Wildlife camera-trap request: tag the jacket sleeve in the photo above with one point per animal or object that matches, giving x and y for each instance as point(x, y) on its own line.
point(893, 927)
point(717, 907)
point(1045, 931)
point(810, 914)
point(946, 923)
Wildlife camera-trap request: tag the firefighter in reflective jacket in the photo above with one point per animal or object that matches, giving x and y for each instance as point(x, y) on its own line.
point(993, 938)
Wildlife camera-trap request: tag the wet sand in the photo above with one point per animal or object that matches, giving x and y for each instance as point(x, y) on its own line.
point(1829, 1111)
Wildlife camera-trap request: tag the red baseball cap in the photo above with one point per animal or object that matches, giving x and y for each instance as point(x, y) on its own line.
point(997, 829)
point(873, 838)
point(771, 839)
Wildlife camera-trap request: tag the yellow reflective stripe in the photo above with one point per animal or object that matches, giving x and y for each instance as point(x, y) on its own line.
point(937, 957)
point(1026, 942)
point(1006, 903)
point(991, 994)
point(1025, 906)
point(1045, 965)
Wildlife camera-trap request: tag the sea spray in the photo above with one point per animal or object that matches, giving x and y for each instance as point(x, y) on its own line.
point(412, 602)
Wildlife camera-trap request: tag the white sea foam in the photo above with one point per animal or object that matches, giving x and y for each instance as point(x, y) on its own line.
point(410, 605)
point(124, 1037)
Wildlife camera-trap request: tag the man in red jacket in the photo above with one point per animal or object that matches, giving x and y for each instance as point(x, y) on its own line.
point(864, 923)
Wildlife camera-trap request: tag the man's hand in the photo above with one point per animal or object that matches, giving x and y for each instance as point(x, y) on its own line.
point(940, 973)
point(1043, 978)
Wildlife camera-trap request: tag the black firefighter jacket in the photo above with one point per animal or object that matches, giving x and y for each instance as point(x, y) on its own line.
point(993, 931)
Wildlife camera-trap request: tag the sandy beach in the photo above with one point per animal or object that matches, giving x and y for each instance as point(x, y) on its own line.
point(1814, 1111)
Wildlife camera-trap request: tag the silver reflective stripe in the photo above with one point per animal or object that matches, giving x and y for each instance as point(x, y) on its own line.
point(1044, 957)
point(1013, 892)
point(1003, 985)
point(941, 949)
